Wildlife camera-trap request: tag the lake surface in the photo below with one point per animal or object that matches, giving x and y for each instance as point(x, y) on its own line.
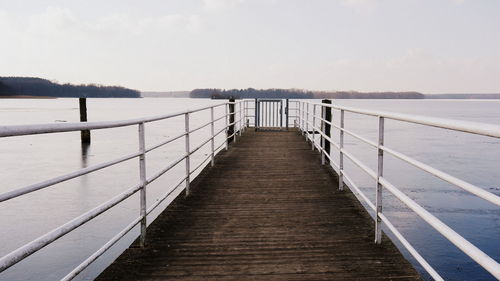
point(30, 159)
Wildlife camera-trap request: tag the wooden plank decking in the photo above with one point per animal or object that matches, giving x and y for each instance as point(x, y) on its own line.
point(268, 210)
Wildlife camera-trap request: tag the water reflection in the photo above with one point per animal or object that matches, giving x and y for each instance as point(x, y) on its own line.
point(84, 180)
point(85, 154)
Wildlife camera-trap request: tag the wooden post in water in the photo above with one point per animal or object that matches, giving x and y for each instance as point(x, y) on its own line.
point(327, 115)
point(230, 130)
point(85, 134)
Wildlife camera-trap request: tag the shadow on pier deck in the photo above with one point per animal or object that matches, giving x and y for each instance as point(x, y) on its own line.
point(268, 210)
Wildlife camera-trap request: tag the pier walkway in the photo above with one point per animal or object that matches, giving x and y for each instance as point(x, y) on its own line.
point(267, 210)
point(267, 205)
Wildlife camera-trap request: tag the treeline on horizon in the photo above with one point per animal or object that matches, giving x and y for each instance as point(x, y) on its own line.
point(251, 93)
point(32, 86)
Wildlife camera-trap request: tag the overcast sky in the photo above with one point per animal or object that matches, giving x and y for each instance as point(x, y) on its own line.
point(431, 46)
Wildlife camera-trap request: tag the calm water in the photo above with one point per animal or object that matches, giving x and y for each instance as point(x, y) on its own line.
point(31, 159)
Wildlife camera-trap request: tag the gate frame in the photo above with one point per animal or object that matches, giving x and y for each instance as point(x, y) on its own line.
point(283, 112)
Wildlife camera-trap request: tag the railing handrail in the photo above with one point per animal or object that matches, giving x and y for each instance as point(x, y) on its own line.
point(436, 172)
point(304, 124)
point(463, 244)
point(47, 128)
point(478, 128)
point(22, 130)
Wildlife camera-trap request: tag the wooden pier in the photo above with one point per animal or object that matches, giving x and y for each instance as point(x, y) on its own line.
point(268, 210)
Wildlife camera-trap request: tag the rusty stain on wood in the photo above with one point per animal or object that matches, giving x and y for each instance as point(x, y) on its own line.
point(266, 211)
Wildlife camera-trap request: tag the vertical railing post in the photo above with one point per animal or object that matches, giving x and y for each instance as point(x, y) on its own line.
point(265, 114)
point(301, 122)
point(256, 118)
point(142, 176)
point(227, 128)
point(232, 123)
point(303, 114)
point(300, 118)
point(212, 128)
point(275, 122)
point(287, 112)
point(327, 129)
point(272, 114)
point(247, 118)
point(296, 118)
point(321, 137)
point(188, 169)
point(380, 173)
point(297, 115)
point(245, 113)
point(269, 110)
point(241, 118)
point(313, 127)
point(281, 113)
point(307, 122)
point(341, 154)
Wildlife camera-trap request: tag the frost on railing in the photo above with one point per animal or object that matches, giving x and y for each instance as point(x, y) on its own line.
point(305, 116)
point(237, 124)
point(307, 122)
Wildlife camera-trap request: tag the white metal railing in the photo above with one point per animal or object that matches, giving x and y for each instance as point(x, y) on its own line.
point(306, 119)
point(308, 126)
point(237, 123)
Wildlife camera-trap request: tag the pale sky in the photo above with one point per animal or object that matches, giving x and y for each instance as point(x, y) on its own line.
point(431, 46)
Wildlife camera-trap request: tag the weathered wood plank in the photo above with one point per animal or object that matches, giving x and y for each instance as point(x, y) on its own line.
point(267, 211)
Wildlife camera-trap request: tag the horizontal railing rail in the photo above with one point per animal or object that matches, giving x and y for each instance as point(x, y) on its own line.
point(483, 129)
point(23, 130)
point(307, 122)
point(307, 119)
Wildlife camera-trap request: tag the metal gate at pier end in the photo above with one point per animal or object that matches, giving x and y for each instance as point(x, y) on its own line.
point(270, 114)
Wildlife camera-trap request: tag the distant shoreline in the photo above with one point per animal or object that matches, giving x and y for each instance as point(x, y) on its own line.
point(27, 97)
point(185, 94)
point(441, 97)
point(22, 87)
point(251, 93)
